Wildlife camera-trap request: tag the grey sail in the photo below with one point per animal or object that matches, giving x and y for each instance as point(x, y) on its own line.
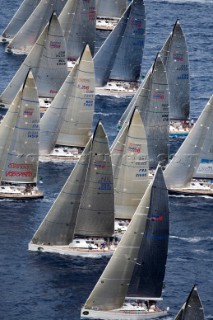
point(111, 8)
point(46, 61)
point(152, 102)
point(130, 167)
point(192, 308)
point(19, 151)
point(26, 37)
point(174, 54)
point(78, 22)
point(180, 170)
point(62, 222)
point(20, 17)
point(120, 56)
point(68, 120)
point(112, 287)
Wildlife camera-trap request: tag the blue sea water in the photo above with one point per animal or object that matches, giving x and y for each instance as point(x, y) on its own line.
point(43, 286)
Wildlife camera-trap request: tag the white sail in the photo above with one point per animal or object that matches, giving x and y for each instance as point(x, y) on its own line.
point(26, 37)
point(130, 166)
point(174, 55)
point(46, 61)
point(111, 8)
point(180, 170)
point(112, 287)
point(19, 141)
point(85, 205)
point(78, 21)
point(69, 118)
point(18, 20)
point(151, 100)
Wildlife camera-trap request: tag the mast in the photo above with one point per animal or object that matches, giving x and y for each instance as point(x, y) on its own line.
point(20, 158)
point(180, 170)
point(130, 166)
point(78, 22)
point(112, 287)
point(26, 37)
point(174, 54)
point(87, 193)
point(46, 61)
point(120, 56)
point(20, 17)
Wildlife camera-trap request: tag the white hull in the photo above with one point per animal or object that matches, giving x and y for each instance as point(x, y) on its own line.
point(66, 250)
point(118, 88)
point(19, 192)
point(4, 40)
point(103, 23)
point(121, 314)
point(195, 188)
point(61, 154)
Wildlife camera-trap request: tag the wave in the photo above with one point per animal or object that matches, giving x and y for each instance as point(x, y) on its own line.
point(193, 239)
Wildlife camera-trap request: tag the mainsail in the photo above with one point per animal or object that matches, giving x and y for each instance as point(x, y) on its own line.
point(18, 20)
point(174, 55)
point(192, 308)
point(69, 118)
point(148, 227)
point(183, 165)
point(19, 132)
point(85, 206)
point(120, 56)
point(111, 8)
point(151, 100)
point(78, 21)
point(130, 167)
point(26, 37)
point(46, 61)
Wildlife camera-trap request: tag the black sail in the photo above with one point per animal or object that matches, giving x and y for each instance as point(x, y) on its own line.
point(148, 274)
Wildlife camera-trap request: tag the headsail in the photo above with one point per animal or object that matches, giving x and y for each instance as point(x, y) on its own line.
point(120, 56)
point(26, 37)
point(20, 17)
point(46, 61)
point(151, 100)
point(111, 8)
point(183, 165)
point(78, 21)
point(112, 287)
point(174, 55)
point(192, 308)
point(130, 165)
point(19, 142)
point(85, 205)
point(69, 118)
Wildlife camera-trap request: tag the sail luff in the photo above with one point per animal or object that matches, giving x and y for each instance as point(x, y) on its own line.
point(130, 166)
point(111, 289)
point(180, 170)
point(21, 164)
point(77, 121)
point(96, 210)
point(19, 18)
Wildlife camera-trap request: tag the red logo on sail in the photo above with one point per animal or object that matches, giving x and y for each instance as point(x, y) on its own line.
point(55, 44)
point(157, 218)
point(28, 112)
point(158, 95)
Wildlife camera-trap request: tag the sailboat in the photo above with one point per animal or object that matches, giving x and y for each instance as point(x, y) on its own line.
point(65, 127)
point(152, 102)
point(19, 140)
point(118, 61)
point(47, 63)
point(18, 20)
point(132, 281)
point(78, 22)
point(192, 309)
point(130, 167)
point(26, 37)
point(109, 12)
point(179, 172)
point(82, 216)
point(174, 55)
